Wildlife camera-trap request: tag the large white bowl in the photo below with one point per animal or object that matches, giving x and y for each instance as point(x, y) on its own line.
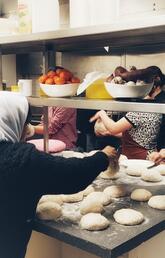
point(126, 91)
point(64, 90)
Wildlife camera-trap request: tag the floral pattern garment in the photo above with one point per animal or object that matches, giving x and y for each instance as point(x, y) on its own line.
point(145, 128)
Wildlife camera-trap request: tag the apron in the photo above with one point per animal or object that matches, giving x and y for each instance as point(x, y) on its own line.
point(132, 149)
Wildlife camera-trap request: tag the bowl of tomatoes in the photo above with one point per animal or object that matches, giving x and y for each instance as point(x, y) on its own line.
point(59, 82)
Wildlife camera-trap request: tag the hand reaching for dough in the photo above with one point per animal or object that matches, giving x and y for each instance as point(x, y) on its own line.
point(113, 157)
point(158, 157)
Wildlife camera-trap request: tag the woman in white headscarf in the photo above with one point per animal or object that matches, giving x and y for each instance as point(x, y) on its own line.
point(26, 174)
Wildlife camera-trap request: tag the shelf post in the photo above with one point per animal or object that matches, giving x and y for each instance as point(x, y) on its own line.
point(1, 69)
point(46, 135)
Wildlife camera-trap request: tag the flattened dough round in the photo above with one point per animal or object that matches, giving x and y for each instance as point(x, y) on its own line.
point(89, 205)
point(101, 196)
point(141, 195)
point(94, 221)
point(108, 174)
point(51, 198)
point(133, 171)
point(48, 211)
point(115, 191)
point(77, 197)
point(161, 169)
point(89, 189)
point(128, 217)
point(157, 202)
point(151, 175)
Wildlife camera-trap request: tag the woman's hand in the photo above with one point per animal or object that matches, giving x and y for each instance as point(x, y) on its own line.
point(100, 129)
point(110, 152)
point(113, 156)
point(98, 115)
point(158, 157)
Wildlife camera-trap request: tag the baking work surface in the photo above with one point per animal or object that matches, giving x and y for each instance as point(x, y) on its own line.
point(116, 239)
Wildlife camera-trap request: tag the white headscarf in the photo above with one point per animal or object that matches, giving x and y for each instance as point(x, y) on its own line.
point(13, 113)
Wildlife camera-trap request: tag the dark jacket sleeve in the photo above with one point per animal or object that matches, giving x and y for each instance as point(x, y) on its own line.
point(56, 175)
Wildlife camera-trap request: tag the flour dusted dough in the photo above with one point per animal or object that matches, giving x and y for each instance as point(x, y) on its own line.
point(52, 198)
point(48, 211)
point(89, 205)
point(88, 190)
point(151, 175)
point(128, 217)
point(101, 196)
point(109, 174)
point(94, 221)
point(157, 202)
point(115, 191)
point(161, 169)
point(132, 171)
point(77, 197)
point(141, 195)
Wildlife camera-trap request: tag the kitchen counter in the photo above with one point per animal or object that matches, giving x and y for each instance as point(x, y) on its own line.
point(117, 239)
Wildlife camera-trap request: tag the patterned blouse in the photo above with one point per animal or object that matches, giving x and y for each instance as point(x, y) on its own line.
point(145, 128)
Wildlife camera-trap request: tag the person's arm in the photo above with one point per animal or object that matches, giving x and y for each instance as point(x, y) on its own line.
point(113, 127)
point(56, 175)
point(158, 157)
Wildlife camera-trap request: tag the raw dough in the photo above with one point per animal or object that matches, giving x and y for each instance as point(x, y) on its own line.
point(161, 169)
point(132, 171)
point(48, 211)
point(157, 202)
point(71, 213)
point(128, 217)
point(101, 196)
point(91, 205)
point(151, 175)
point(77, 197)
point(141, 195)
point(94, 221)
point(88, 190)
point(115, 191)
point(52, 198)
point(108, 174)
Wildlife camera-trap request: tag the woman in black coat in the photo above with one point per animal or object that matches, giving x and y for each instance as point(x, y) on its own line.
point(26, 174)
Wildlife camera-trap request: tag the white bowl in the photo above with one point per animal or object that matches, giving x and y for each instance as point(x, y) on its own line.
point(64, 90)
point(126, 91)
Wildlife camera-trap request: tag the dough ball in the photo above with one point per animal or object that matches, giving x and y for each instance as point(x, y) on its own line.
point(141, 195)
point(71, 214)
point(151, 175)
point(101, 196)
point(52, 198)
point(161, 169)
point(132, 171)
point(91, 205)
point(128, 217)
point(157, 202)
point(48, 211)
point(99, 126)
point(77, 197)
point(88, 190)
point(115, 191)
point(94, 221)
point(108, 174)
point(130, 83)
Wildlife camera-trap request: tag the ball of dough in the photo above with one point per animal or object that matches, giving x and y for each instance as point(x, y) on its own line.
point(157, 202)
point(141, 195)
point(161, 169)
point(132, 171)
point(71, 214)
point(130, 83)
point(77, 197)
point(128, 217)
point(115, 191)
point(109, 174)
point(48, 211)
point(151, 175)
point(94, 221)
point(101, 196)
point(91, 205)
point(52, 198)
point(99, 126)
point(88, 190)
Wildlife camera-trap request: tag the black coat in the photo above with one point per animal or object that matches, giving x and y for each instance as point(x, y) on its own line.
point(25, 175)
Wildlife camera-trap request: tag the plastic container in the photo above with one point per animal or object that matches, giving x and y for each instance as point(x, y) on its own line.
point(93, 84)
point(45, 15)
